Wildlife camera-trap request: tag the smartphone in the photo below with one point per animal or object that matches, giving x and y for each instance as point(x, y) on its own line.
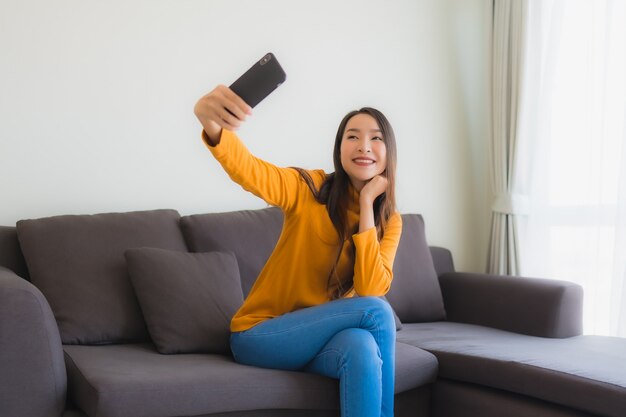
point(260, 80)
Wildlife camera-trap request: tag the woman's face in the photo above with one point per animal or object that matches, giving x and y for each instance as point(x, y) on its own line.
point(363, 150)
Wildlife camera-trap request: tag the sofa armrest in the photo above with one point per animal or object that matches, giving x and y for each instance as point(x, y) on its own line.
point(536, 307)
point(33, 381)
point(442, 259)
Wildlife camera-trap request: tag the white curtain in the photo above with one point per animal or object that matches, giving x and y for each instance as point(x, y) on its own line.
point(507, 53)
point(573, 119)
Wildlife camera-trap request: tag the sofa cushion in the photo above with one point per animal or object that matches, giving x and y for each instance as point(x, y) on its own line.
point(415, 294)
point(134, 380)
point(137, 381)
point(78, 263)
point(250, 234)
point(415, 367)
point(187, 299)
point(585, 372)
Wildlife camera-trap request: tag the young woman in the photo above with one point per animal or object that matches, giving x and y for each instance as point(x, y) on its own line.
point(339, 239)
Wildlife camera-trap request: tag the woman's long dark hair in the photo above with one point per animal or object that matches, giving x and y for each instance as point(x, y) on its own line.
point(334, 194)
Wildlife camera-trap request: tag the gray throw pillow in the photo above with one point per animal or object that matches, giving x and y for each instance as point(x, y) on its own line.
point(415, 294)
point(396, 319)
point(187, 299)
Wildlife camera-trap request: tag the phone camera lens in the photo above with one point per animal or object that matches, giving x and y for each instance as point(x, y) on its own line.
point(265, 59)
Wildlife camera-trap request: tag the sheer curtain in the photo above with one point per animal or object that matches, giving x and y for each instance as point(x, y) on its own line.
point(573, 118)
point(507, 54)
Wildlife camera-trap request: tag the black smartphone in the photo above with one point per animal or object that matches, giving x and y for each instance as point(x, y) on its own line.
point(260, 80)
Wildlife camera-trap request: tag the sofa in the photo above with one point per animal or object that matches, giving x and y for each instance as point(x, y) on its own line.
point(126, 315)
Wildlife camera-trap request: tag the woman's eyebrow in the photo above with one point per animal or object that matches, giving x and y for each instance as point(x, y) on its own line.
point(359, 130)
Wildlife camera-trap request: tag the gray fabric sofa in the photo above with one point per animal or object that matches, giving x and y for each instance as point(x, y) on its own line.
point(80, 335)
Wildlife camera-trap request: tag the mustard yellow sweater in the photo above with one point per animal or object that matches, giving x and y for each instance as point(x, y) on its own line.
point(296, 274)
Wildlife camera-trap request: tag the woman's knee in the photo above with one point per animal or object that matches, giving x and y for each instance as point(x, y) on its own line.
point(379, 310)
point(358, 348)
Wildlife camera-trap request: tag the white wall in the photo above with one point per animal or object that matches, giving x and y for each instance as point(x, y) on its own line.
point(96, 102)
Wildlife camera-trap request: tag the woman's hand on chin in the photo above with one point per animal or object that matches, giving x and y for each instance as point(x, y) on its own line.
point(374, 187)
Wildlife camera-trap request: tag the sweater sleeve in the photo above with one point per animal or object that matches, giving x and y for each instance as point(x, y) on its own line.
point(277, 186)
point(373, 263)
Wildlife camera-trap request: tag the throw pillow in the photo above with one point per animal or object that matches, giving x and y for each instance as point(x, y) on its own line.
point(187, 299)
point(396, 319)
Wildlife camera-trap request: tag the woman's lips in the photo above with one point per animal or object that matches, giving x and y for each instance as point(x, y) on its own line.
point(363, 162)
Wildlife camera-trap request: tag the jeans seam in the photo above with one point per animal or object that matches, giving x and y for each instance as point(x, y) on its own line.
point(321, 354)
point(376, 326)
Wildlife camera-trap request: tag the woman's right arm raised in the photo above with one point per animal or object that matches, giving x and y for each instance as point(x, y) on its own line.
point(221, 109)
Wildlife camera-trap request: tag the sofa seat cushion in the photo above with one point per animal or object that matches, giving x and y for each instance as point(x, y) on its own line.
point(78, 264)
point(415, 367)
point(134, 380)
point(137, 381)
point(585, 372)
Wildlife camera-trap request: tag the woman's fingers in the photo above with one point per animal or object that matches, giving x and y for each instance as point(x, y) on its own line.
point(227, 119)
point(240, 105)
point(222, 107)
point(379, 184)
point(233, 103)
point(374, 187)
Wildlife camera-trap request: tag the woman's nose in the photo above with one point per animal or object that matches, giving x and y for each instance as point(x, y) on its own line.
point(364, 147)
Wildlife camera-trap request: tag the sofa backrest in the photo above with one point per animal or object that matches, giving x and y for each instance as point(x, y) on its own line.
point(415, 294)
point(250, 234)
point(11, 255)
point(78, 263)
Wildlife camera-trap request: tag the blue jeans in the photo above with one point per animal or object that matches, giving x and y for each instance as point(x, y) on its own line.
point(349, 339)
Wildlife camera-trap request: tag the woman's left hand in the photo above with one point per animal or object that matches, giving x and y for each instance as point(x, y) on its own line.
point(374, 187)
